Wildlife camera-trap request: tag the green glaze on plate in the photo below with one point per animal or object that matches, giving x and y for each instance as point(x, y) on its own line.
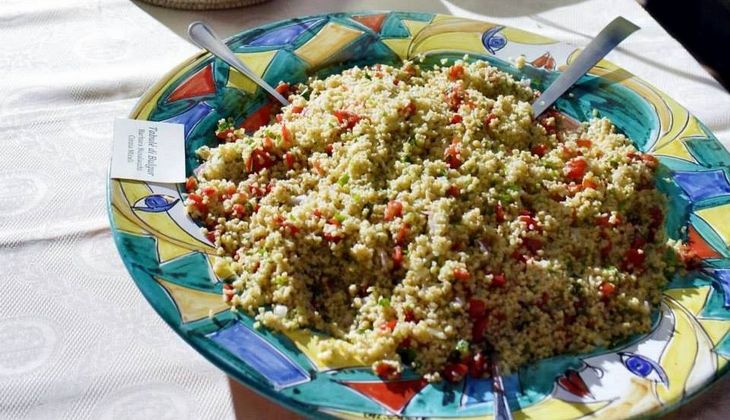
point(169, 259)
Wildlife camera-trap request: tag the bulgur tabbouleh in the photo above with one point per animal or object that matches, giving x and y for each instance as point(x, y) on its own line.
point(423, 217)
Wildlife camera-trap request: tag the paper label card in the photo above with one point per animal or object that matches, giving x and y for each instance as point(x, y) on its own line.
point(148, 151)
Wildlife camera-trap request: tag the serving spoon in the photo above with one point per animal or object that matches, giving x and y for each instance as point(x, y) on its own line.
point(606, 40)
point(203, 36)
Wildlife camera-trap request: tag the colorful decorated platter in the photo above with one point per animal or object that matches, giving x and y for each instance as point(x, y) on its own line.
point(687, 349)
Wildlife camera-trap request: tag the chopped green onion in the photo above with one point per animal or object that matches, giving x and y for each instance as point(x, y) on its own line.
point(384, 302)
point(344, 179)
point(356, 197)
point(281, 281)
point(462, 347)
point(340, 217)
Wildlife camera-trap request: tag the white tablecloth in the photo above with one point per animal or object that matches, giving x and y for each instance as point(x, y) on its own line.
point(77, 339)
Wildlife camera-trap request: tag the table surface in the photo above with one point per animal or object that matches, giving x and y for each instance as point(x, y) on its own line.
point(77, 339)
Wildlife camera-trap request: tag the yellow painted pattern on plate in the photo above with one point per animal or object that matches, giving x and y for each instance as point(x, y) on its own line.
point(414, 26)
point(450, 41)
point(161, 222)
point(328, 41)
point(716, 329)
point(168, 250)
point(193, 304)
point(679, 355)
point(558, 409)
point(125, 225)
point(675, 148)
point(308, 343)
point(693, 299)
point(719, 219)
point(721, 362)
point(399, 46)
point(257, 62)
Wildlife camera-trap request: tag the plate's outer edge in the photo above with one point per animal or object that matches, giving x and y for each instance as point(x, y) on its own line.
point(276, 396)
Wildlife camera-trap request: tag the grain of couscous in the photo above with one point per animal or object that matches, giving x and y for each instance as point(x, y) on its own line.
point(423, 218)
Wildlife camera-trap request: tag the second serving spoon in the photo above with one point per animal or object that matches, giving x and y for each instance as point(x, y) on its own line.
point(203, 36)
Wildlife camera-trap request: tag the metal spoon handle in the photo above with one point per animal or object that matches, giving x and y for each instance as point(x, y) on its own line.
point(501, 406)
point(607, 39)
point(204, 37)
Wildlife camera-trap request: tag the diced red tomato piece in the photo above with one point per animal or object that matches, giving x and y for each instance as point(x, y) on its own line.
point(499, 213)
point(223, 135)
point(392, 210)
point(635, 258)
point(191, 184)
point(331, 237)
point(297, 109)
point(529, 221)
point(477, 308)
point(402, 234)
point(268, 144)
point(456, 119)
point(650, 160)
point(518, 255)
point(603, 220)
point(386, 371)
point(409, 316)
point(209, 191)
point(409, 109)
point(478, 328)
point(479, 365)
point(347, 118)
point(239, 209)
point(456, 72)
point(291, 227)
point(289, 159)
point(328, 149)
point(461, 274)
point(539, 149)
point(589, 183)
point(455, 97)
point(453, 191)
point(455, 372)
point(228, 292)
point(195, 198)
point(532, 244)
point(259, 160)
point(452, 155)
point(283, 88)
point(584, 143)
point(389, 325)
point(286, 136)
point(575, 169)
point(499, 280)
point(397, 256)
point(488, 119)
point(317, 213)
point(607, 289)
point(211, 236)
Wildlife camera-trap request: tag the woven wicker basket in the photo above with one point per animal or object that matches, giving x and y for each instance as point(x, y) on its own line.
point(203, 4)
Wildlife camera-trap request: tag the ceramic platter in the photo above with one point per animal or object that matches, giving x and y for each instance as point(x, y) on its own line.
point(168, 258)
